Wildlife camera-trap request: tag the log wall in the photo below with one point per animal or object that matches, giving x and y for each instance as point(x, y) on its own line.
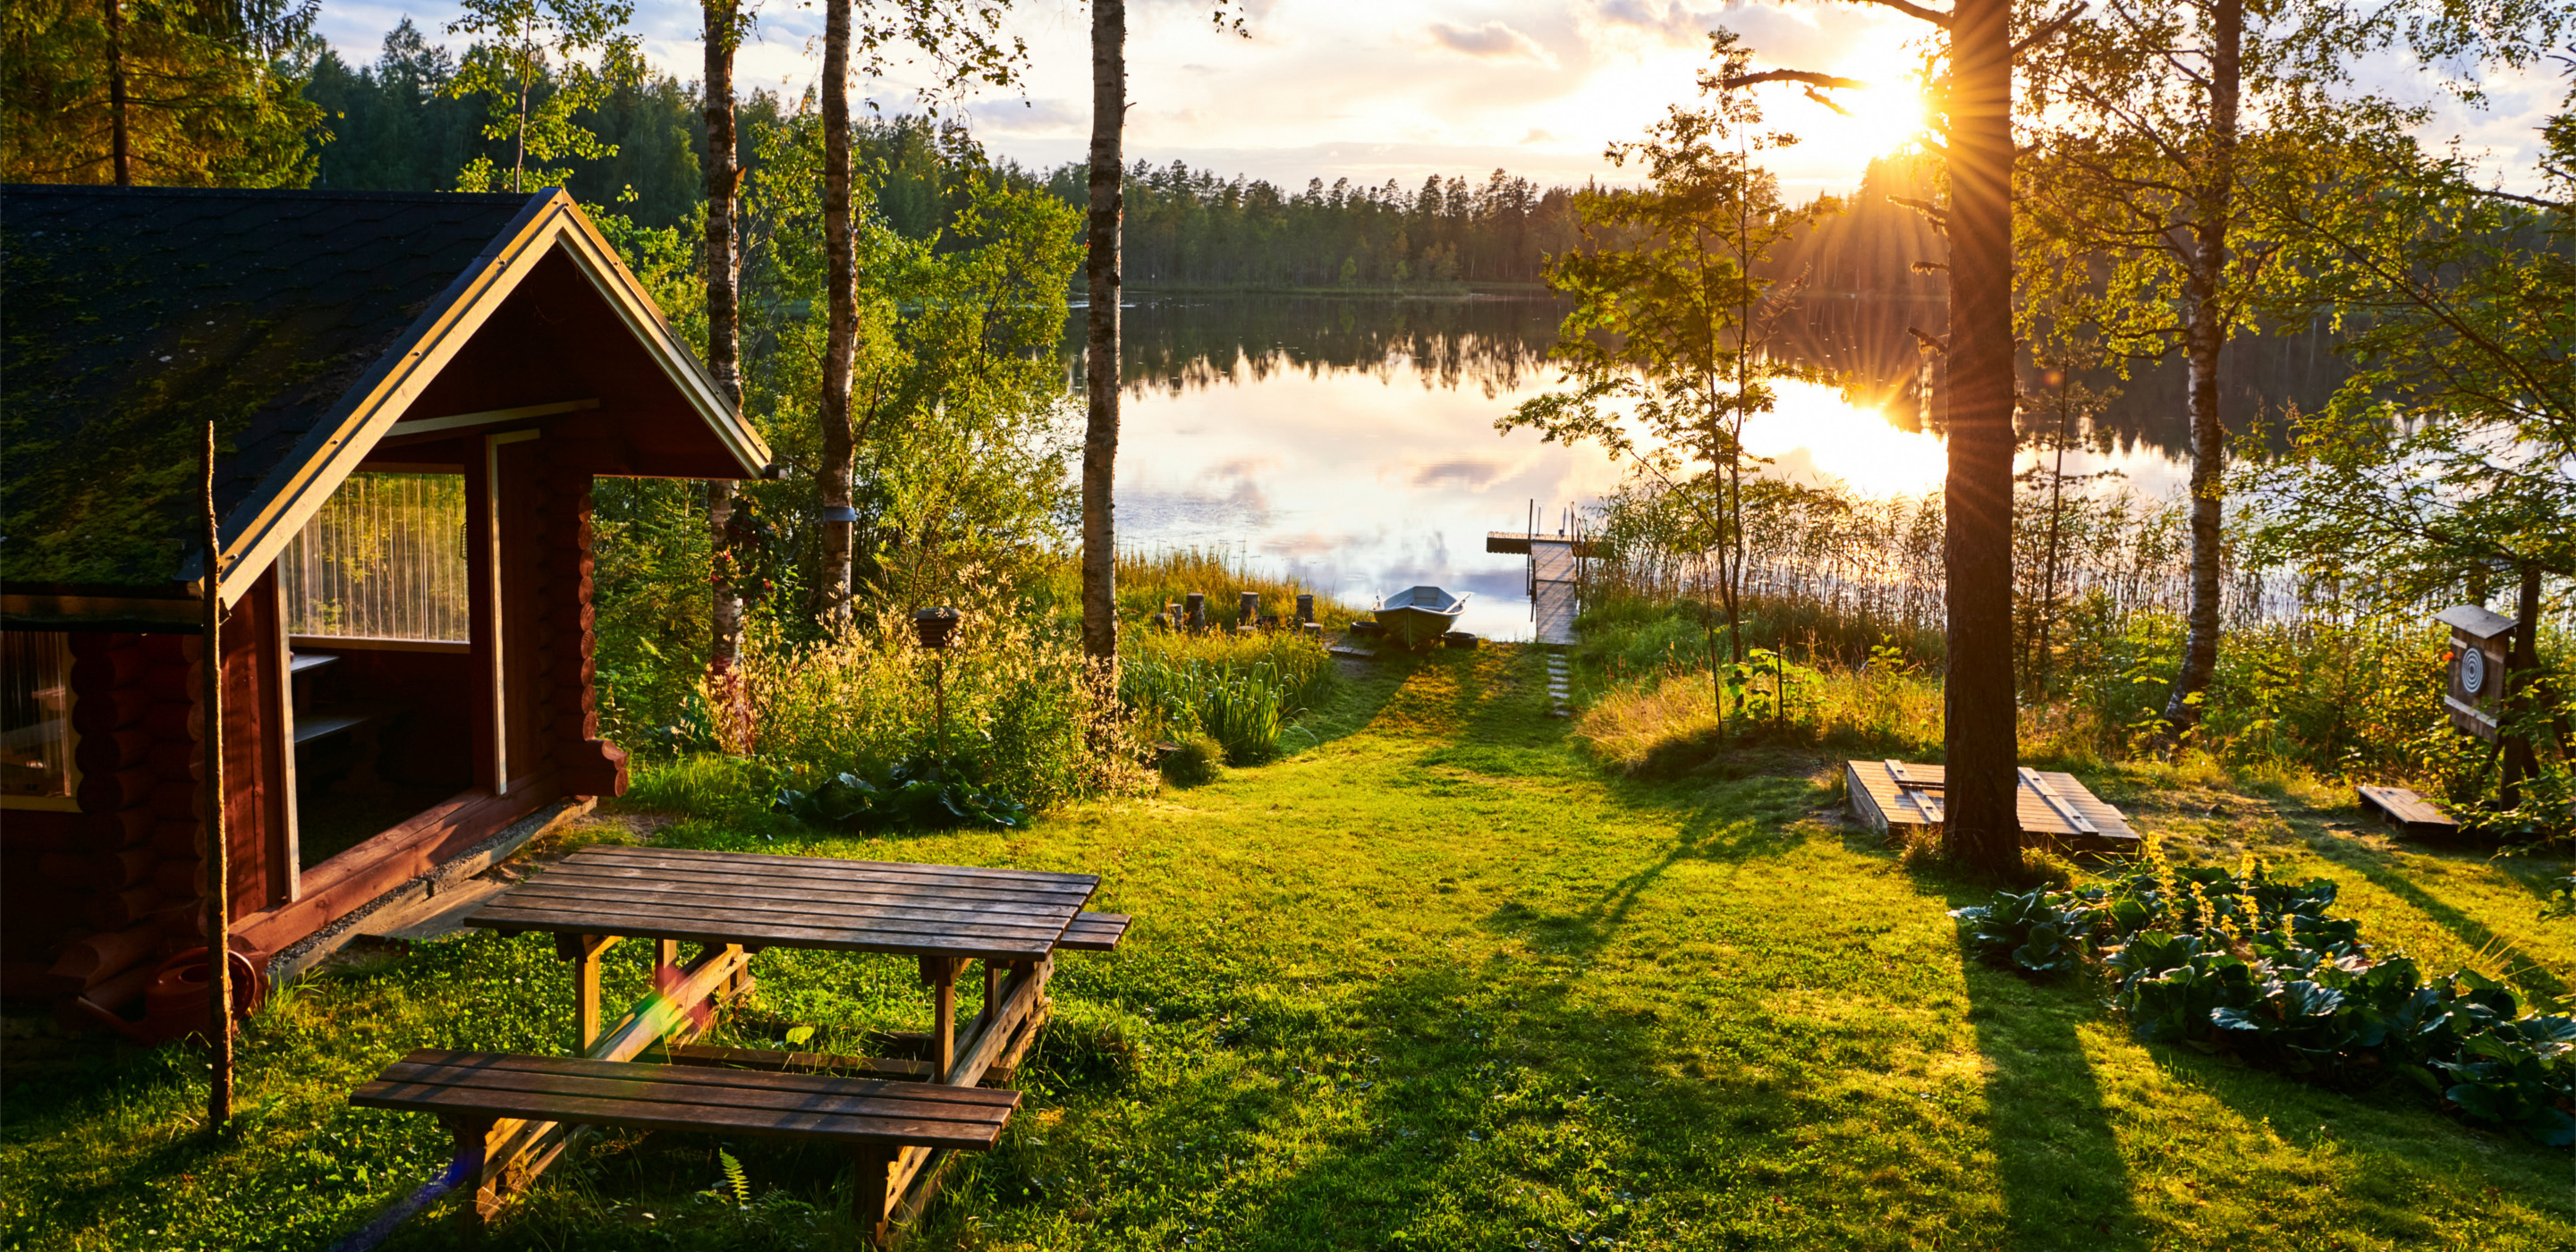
point(94, 899)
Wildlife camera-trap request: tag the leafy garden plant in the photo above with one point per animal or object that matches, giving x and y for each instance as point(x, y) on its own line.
point(918, 794)
point(2260, 968)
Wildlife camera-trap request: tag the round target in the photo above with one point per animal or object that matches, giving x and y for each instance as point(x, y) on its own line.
point(2473, 670)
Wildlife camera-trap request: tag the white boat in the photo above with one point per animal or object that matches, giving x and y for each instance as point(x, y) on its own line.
point(1416, 617)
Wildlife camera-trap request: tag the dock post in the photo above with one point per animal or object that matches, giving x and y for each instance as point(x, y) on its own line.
point(1197, 611)
point(1305, 608)
point(1249, 612)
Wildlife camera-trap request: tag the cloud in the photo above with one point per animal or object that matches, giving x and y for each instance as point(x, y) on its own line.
point(1493, 41)
point(1463, 472)
point(1031, 117)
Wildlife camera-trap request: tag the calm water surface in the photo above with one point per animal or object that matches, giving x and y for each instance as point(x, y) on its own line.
point(1351, 442)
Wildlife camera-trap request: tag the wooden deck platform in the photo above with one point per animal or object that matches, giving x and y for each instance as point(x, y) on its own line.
point(2405, 810)
point(2055, 810)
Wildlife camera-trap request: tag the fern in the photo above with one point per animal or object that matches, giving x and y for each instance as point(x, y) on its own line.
point(735, 1178)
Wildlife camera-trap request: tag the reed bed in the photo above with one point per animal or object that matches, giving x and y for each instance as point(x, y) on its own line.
point(2313, 676)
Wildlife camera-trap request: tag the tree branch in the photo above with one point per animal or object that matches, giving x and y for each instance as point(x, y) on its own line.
point(1809, 77)
point(1934, 16)
point(2048, 31)
point(2534, 201)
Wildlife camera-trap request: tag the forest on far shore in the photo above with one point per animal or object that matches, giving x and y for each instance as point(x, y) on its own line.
point(393, 125)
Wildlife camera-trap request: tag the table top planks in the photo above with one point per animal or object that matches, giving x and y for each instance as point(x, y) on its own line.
point(759, 900)
point(687, 1098)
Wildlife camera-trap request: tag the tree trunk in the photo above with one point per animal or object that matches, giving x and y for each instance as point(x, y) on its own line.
point(840, 348)
point(1100, 345)
point(118, 157)
point(2521, 675)
point(1982, 831)
point(724, 322)
point(2206, 334)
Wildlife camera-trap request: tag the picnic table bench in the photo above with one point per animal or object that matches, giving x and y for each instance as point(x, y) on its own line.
point(907, 1114)
point(876, 1119)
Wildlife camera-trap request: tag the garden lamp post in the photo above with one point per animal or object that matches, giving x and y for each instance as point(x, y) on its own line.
point(935, 628)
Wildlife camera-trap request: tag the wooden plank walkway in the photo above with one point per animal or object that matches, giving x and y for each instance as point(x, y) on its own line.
point(1552, 587)
point(1555, 572)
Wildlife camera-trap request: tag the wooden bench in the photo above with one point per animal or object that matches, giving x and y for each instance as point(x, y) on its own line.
point(874, 1118)
point(1094, 932)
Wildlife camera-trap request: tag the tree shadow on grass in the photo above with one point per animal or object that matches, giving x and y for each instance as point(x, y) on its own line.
point(2387, 873)
point(1463, 1107)
point(2057, 1156)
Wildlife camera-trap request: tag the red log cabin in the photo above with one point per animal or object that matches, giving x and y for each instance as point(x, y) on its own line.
point(413, 395)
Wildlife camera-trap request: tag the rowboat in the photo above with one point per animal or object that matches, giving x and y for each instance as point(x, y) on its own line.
point(1416, 617)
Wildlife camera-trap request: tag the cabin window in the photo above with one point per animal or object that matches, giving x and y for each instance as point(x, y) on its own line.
point(384, 559)
point(36, 733)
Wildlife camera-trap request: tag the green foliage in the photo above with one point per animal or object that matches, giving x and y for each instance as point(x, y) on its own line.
point(528, 64)
point(1244, 697)
point(2260, 967)
point(1194, 228)
point(2458, 307)
point(917, 794)
point(1668, 340)
point(2042, 932)
point(736, 1182)
point(1195, 761)
point(216, 95)
point(1024, 717)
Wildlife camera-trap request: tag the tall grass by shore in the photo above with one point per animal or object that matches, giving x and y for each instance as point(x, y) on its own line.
point(1843, 613)
point(1149, 579)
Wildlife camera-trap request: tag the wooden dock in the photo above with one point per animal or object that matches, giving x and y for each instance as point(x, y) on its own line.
point(2053, 809)
point(1555, 578)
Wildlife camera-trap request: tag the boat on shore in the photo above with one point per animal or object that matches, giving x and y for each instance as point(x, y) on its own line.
point(1417, 617)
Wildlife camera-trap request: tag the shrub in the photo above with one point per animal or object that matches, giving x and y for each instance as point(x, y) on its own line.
point(1242, 693)
point(1198, 759)
point(1025, 719)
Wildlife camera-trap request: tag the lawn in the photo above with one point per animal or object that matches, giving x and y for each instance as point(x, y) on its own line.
point(1436, 981)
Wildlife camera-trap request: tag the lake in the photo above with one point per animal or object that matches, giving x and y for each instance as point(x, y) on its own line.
point(1351, 441)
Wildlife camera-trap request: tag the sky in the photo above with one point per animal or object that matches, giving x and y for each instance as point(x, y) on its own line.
point(1379, 89)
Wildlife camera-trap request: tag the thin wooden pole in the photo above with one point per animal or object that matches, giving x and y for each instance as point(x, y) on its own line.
point(219, 925)
point(119, 159)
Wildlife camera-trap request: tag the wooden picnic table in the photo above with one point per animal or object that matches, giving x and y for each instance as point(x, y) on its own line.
point(735, 904)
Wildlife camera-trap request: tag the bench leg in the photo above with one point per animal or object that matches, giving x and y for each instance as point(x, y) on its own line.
point(872, 1192)
point(481, 1197)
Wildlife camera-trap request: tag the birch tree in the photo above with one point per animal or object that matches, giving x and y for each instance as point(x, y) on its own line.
point(1671, 319)
point(2159, 118)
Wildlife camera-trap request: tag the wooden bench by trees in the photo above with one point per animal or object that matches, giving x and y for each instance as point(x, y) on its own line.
point(875, 1118)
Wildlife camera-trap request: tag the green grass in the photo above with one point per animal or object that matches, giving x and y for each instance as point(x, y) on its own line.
point(1438, 982)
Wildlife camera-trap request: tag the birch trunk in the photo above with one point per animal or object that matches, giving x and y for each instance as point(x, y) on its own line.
point(724, 318)
point(2205, 337)
point(1983, 754)
point(841, 334)
point(1100, 345)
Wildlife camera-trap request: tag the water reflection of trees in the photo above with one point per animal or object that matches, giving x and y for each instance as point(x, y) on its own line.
point(1498, 346)
point(1172, 346)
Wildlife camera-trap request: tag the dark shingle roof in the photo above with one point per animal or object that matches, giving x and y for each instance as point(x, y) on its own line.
point(128, 316)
